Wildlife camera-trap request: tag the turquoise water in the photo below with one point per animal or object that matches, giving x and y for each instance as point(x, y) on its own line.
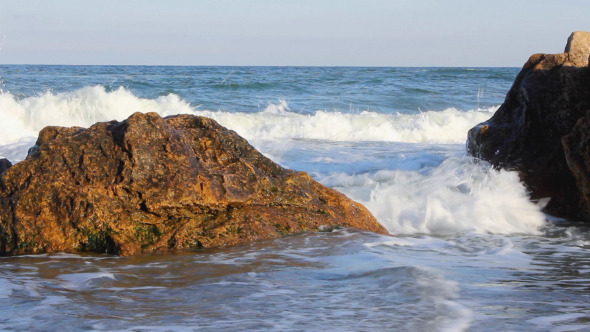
point(468, 251)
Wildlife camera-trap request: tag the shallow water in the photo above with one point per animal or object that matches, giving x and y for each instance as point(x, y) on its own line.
point(344, 280)
point(469, 251)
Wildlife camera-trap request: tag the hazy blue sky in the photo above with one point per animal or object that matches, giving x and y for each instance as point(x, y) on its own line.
point(287, 32)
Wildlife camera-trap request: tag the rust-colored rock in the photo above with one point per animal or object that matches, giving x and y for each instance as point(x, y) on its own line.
point(541, 129)
point(152, 184)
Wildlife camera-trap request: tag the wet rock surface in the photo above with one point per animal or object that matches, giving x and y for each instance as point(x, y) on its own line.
point(152, 184)
point(541, 129)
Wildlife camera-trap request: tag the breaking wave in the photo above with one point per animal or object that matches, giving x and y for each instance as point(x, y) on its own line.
point(26, 117)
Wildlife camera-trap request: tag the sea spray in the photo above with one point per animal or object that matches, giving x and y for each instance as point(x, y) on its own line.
point(447, 126)
point(83, 107)
point(460, 195)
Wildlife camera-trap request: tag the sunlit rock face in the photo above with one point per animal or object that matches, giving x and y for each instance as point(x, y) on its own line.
point(152, 184)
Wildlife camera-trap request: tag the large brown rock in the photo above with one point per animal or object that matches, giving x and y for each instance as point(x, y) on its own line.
point(149, 184)
point(541, 129)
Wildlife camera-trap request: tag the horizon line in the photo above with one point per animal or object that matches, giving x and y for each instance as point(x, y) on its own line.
point(293, 66)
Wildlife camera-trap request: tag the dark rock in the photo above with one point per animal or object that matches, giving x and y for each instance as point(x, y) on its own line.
point(4, 165)
point(577, 155)
point(538, 128)
point(149, 184)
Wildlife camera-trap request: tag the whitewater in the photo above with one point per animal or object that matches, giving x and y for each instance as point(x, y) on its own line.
point(469, 251)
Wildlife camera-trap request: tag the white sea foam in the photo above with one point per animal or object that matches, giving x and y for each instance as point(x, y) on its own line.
point(278, 122)
point(451, 315)
point(6, 288)
point(458, 196)
point(548, 322)
point(76, 281)
point(83, 107)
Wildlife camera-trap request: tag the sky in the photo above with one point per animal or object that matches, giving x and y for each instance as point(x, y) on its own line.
point(461, 33)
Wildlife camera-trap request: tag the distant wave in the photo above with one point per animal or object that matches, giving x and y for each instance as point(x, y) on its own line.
point(84, 107)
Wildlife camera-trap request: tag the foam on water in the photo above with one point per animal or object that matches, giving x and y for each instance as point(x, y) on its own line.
point(548, 322)
point(278, 122)
point(7, 287)
point(83, 107)
point(374, 282)
point(78, 281)
point(460, 195)
point(482, 250)
point(451, 314)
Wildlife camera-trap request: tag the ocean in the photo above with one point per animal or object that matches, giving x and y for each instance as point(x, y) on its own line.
point(468, 250)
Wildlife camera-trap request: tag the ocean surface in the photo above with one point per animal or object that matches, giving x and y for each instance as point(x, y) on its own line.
point(468, 250)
